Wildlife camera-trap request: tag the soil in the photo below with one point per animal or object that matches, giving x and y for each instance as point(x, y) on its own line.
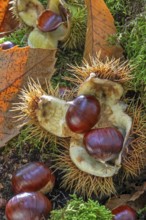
point(11, 159)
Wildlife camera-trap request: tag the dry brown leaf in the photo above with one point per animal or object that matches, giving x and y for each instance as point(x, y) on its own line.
point(100, 26)
point(7, 21)
point(3, 9)
point(136, 200)
point(16, 65)
point(116, 201)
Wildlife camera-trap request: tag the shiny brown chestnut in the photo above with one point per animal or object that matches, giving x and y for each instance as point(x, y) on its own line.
point(49, 21)
point(6, 45)
point(28, 206)
point(103, 143)
point(124, 212)
point(33, 177)
point(83, 113)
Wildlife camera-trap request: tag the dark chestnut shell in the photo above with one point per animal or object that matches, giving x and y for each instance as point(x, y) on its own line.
point(6, 45)
point(83, 113)
point(28, 206)
point(49, 21)
point(32, 177)
point(124, 212)
point(103, 143)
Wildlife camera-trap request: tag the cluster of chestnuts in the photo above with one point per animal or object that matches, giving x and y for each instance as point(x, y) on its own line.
point(30, 183)
point(82, 115)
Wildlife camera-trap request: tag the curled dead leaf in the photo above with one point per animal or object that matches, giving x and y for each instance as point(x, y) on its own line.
point(3, 9)
point(7, 22)
point(136, 200)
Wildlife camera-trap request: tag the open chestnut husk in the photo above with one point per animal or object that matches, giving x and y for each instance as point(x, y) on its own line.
point(103, 143)
point(33, 177)
point(28, 206)
point(124, 212)
point(83, 113)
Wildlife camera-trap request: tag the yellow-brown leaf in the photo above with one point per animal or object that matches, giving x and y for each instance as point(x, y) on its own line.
point(7, 21)
point(3, 9)
point(100, 26)
point(16, 65)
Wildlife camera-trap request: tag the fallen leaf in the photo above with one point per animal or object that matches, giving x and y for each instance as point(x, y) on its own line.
point(16, 65)
point(135, 200)
point(3, 9)
point(116, 201)
point(7, 21)
point(100, 25)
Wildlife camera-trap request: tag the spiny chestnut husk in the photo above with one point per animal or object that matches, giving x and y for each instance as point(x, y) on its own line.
point(33, 177)
point(111, 69)
point(46, 113)
point(74, 14)
point(83, 113)
point(77, 26)
point(32, 13)
point(27, 11)
point(28, 206)
point(103, 143)
point(82, 173)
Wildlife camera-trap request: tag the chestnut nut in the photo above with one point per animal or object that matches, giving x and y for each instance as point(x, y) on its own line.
point(103, 143)
point(34, 176)
point(49, 21)
point(6, 45)
point(124, 212)
point(83, 113)
point(28, 206)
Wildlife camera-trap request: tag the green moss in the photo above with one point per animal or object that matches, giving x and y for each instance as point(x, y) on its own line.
point(18, 37)
point(142, 213)
point(44, 3)
point(123, 10)
point(23, 138)
point(65, 58)
point(77, 209)
point(133, 39)
point(117, 7)
point(76, 37)
point(77, 2)
point(130, 19)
